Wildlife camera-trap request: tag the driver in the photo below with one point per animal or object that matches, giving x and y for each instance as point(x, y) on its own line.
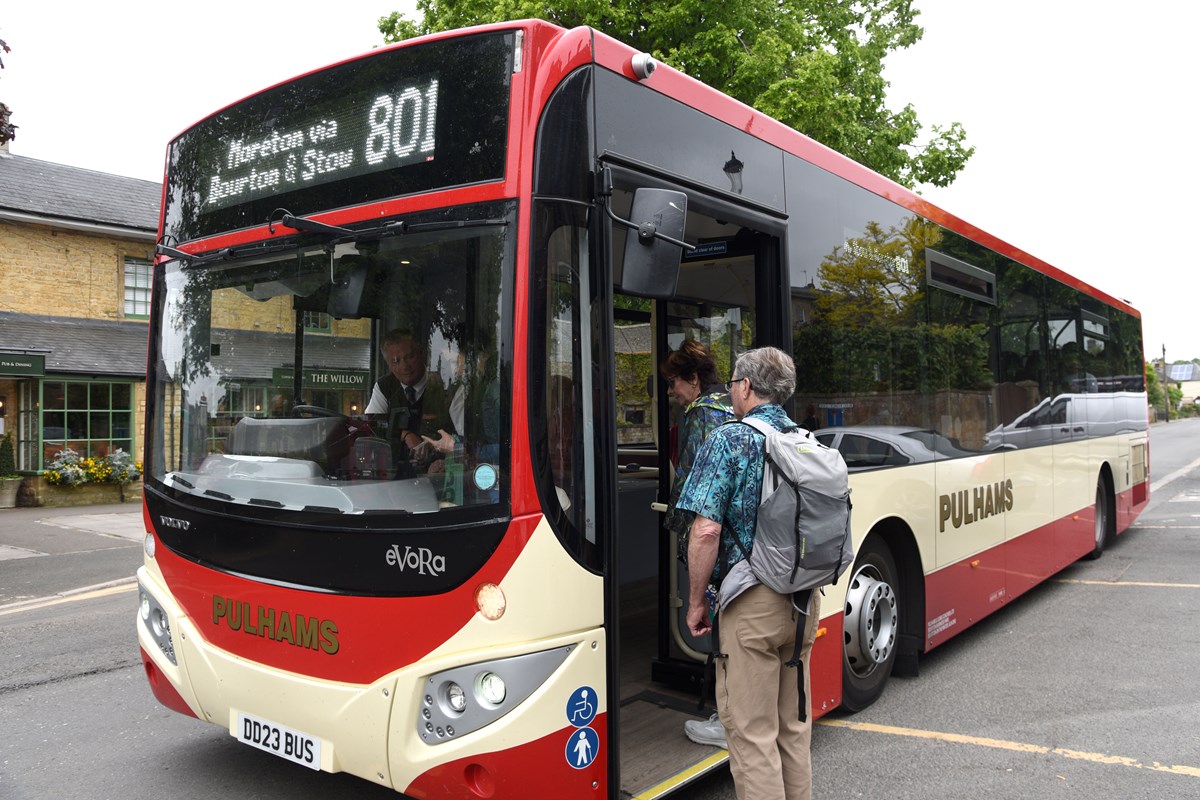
point(412, 400)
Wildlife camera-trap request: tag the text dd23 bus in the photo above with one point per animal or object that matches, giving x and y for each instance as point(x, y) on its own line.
point(531, 218)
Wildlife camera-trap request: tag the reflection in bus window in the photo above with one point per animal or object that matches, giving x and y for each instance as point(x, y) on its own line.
point(248, 424)
point(565, 444)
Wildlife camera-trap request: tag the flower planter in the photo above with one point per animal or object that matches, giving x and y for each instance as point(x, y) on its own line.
point(8, 491)
point(46, 494)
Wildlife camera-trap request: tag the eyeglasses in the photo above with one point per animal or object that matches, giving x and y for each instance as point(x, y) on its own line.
point(729, 386)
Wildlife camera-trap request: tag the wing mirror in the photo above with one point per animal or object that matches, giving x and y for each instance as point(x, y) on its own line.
point(651, 265)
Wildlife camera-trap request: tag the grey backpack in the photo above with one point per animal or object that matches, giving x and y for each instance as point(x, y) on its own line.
point(802, 533)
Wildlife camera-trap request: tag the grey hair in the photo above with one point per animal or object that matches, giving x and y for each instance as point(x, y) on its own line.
point(772, 373)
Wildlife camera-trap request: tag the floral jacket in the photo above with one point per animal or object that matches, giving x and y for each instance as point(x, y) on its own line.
point(701, 417)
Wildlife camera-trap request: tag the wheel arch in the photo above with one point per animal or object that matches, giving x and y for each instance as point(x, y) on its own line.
point(1106, 475)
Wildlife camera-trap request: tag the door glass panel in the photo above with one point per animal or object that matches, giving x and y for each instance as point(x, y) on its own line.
point(703, 312)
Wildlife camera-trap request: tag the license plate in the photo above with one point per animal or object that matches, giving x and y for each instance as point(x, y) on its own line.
point(280, 740)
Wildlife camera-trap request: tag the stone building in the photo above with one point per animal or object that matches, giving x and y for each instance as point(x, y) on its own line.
point(75, 265)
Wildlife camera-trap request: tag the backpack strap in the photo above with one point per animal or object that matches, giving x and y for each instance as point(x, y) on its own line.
point(765, 428)
point(762, 426)
point(800, 600)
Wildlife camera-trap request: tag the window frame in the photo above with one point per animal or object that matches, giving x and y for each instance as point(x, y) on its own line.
point(128, 442)
point(142, 293)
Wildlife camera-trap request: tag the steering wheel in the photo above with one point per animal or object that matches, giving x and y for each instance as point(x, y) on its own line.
point(304, 412)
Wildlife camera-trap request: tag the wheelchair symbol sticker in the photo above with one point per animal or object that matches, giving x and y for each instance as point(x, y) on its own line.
point(583, 746)
point(581, 708)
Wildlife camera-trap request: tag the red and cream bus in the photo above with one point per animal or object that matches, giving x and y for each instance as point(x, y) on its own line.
point(535, 217)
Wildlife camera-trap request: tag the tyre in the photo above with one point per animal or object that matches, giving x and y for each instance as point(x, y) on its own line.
point(1104, 519)
point(871, 625)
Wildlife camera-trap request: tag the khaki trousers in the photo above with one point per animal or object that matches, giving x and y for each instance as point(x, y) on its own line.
point(757, 698)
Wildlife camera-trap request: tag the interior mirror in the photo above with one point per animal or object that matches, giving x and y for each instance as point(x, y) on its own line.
point(654, 244)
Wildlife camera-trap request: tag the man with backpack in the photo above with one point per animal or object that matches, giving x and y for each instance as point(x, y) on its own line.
point(767, 721)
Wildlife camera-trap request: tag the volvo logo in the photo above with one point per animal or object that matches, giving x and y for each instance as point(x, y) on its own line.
point(416, 559)
point(173, 522)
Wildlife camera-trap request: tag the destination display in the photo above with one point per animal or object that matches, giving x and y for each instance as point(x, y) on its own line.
point(393, 122)
point(352, 136)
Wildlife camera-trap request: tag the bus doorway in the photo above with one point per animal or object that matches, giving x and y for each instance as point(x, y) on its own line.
point(662, 666)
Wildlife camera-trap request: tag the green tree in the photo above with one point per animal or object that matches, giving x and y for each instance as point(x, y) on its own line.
point(815, 65)
point(1174, 396)
point(8, 463)
point(876, 279)
point(1154, 390)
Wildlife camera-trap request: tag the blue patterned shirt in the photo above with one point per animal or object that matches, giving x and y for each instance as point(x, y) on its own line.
point(726, 481)
point(701, 417)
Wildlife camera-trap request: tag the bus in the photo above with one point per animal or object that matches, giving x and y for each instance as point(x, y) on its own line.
point(468, 592)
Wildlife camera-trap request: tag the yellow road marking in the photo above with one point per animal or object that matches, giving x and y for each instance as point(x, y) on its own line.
point(46, 602)
point(1019, 747)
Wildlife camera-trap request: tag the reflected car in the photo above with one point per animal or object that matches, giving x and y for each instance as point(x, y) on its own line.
point(876, 446)
point(1071, 416)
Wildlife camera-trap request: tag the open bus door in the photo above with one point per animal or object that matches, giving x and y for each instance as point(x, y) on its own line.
point(660, 665)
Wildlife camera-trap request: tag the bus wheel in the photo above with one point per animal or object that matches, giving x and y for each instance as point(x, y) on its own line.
point(1103, 518)
point(870, 627)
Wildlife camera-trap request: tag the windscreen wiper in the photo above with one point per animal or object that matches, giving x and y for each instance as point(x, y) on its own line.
point(336, 234)
point(400, 227)
point(191, 260)
point(289, 220)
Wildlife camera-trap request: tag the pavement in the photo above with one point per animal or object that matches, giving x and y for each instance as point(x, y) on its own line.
point(121, 520)
point(48, 553)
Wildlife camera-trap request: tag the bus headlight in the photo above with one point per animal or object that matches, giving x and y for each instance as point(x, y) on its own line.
point(155, 620)
point(496, 687)
point(456, 698)
point(159, 624)
point(491, 688)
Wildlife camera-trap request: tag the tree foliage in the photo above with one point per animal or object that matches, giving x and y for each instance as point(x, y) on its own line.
point(876, 279)
point(815, 65)
point(1154, 389)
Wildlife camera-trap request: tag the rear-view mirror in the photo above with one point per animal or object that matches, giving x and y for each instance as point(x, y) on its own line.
point(654, 243)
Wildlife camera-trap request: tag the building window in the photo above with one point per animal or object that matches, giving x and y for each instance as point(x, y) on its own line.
point(317, 322)
point(137, 287)
point(93, 419)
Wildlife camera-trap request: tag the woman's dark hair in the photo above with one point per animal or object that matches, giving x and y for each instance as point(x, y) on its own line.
point(692, 358)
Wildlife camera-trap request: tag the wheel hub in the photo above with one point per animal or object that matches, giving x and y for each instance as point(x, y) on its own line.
point(870, 623)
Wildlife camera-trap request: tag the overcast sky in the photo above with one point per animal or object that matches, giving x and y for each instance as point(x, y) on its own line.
point(1080, 112)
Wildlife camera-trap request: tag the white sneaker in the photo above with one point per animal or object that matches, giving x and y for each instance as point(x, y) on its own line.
point(710, 731)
